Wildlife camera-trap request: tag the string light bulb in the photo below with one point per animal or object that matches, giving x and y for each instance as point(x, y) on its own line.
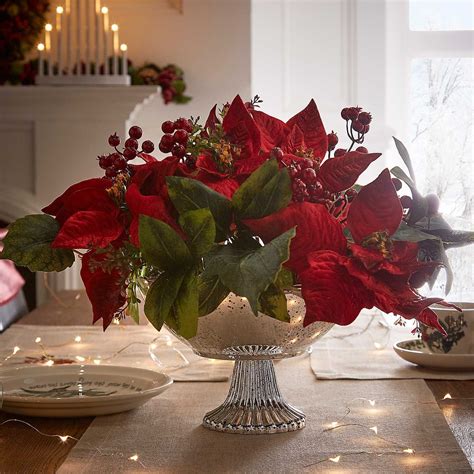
point(123, 47)
point(409, 451)
point(372, 403)
point(374, 429)
point(333, 424)
point(64, 438)
point(447, 396)
point(49, 363)
point(78, 339)
point(104, 10)
point(80, 358)
point(15, 350)
point(378, 346)
point(60, 10)
point(48, 27)
point(38, 339)
point(134, 457)
point(114, 27)
point(335, 459)
point(40, 47)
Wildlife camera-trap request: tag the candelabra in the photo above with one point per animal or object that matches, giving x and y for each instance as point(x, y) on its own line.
point(82, 48)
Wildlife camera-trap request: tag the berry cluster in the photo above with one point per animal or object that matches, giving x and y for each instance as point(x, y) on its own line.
point(117, 162)
point(359, 123)
point(175, 139)
point(305, 183)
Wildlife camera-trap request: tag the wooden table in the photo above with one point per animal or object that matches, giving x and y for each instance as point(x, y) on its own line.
point(23, 450)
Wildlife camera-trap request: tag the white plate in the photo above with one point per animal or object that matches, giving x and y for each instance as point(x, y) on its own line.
point(78, 390)
point(417, 352)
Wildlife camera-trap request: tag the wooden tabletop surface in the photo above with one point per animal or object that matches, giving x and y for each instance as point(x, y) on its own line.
point(22, 450)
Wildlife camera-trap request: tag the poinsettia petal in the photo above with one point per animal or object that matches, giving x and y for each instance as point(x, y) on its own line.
point(212, 120)
point(147, 158)
point(339, 174)
point(376, 208)
point(206, 163)
point(330, 293)
point(86, 229)
point(151, 177)
point(241, 128)
point(429, 318)
point(224, 186)
point(316, 229)
point(294, 141)
point(105, 290)
point(272, 130)
point(245, 167)
point(94, 183)
point(310, 123)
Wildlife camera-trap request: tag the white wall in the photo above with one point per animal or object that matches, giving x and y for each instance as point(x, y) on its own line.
point(210, 41)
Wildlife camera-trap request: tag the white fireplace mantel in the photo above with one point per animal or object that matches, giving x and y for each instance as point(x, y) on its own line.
point(51, 137)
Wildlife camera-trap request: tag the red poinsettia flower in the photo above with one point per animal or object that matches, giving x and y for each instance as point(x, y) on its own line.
point(338, 285)
point(88, 216)
point(106, 290)
point(147, 194)
point(316, 229)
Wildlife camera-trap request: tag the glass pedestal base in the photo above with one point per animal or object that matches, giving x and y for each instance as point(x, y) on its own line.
point(254, 404)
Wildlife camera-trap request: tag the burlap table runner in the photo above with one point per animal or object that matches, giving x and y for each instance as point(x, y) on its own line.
point(166, 436)
point(364, 350)
point(127, 346)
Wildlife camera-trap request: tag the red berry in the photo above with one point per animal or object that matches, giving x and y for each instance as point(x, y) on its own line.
point(184, 124)
point(135, 132)
point(129, 153)
point(298, 184)
point(357, 126)
point(190, 162)
point(365, 118)
point(294, 171)
point(178, 150)
point(110, 173)
point(406, 202)
point(362, 149)
point(276, 153)
point(332, 140)
point(167, 127)
point(166, 143)
point(353, 112)
point(366, 129)
point(148, 146)
point(104, 161)
point(114, 140)
point(397, 184)
point(309, 175)
point(340, 152)
point(345, 114)
point(120, 163)
point(131, 143)
point(181, 136)
point(306, 163)
point(433, 204)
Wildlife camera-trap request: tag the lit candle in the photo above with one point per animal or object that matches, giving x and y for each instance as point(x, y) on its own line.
point(68, 37)
point(47, 46)
point(88, 39)
point(105, 13)
point(59, 12)
point(123, 48)
point(97, 35)
point(115, 33)
point(40, 48)
point(79, 42)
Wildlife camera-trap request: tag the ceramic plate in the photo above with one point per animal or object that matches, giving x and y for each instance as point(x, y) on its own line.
point(417, 352)
point(78, 390)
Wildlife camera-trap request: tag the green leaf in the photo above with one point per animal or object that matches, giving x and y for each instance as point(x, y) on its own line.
point(249, 273)
point(285, 279)
point(411, 234)
point(272, 302)
point(161, 246)
point(161, 296)
point(186, 306)
point(28, 244)
point(189, 194)
point(200, 227)
point(403, 152)
point(211, 293)
point(265, 191)
point(133, 311)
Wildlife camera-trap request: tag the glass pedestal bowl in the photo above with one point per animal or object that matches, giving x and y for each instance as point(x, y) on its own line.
point(254, 403)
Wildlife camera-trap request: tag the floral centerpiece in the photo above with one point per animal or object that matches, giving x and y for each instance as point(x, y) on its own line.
point(245, 206)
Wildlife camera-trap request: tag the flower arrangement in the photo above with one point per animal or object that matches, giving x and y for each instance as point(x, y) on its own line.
point(248, 204)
